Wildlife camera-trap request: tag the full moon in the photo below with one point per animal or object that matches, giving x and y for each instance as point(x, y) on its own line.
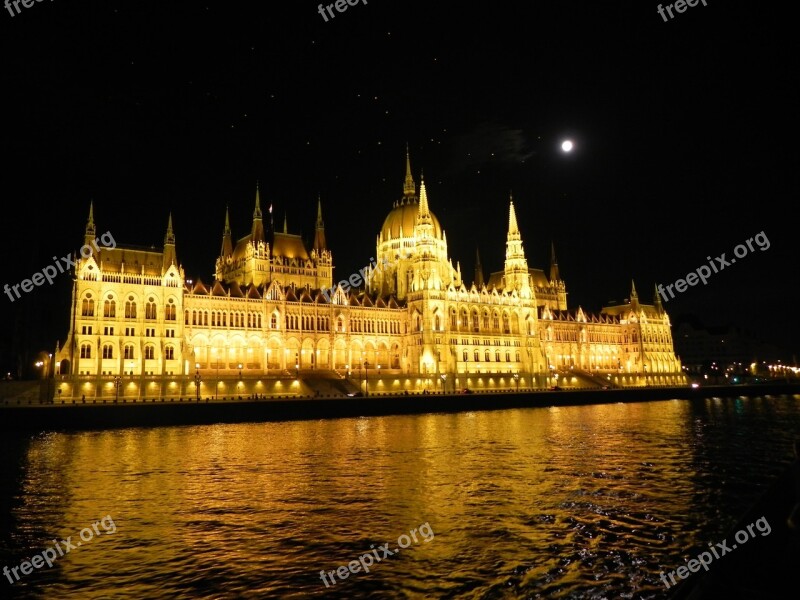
point(566, 145)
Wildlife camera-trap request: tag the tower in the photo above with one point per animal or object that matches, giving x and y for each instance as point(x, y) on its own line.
point(169, 248)
point(516, 266)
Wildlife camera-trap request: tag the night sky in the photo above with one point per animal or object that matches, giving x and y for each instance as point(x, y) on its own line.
point(685, 139)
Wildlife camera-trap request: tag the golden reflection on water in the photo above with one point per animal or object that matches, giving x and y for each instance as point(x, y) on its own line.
point(551, 500)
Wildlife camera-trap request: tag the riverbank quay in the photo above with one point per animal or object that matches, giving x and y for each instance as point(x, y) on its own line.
point(155, 412)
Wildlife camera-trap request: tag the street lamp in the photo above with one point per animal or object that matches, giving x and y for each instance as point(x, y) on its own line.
point(516, 378)
point(348, 370)
point(197, 380)
point(117, 384)
point(444, 382)
point(240, 370)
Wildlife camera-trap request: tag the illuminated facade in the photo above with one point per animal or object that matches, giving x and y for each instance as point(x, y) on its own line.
point(273, 311)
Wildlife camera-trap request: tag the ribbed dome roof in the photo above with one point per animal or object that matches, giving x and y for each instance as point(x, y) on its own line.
point(405, 215)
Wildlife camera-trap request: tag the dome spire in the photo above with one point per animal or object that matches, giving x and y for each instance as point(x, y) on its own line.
point(409, 188)
point(424, 211)
point(513, 229)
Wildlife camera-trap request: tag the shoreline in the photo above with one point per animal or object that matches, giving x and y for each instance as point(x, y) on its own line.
point(69, 417)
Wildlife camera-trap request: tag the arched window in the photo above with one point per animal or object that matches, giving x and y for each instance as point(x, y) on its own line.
point(273, 323)
point(486, 320)
point(497, 355)
point(477, 356)
point(452, 319)
point(474, 320)
point(86, 351)
point(486, 356)
point(108, 351)
point(516, 356)
point(505, 323)
point(128, 351)
point(508, 356)
point(130, 308)
point(169, 353)
point(87, 306)
point(465, 356)
point(150, 310)
point(437, 322)
point(110, 308)
point(149, 352)
point(340, 325)
point(495, 321)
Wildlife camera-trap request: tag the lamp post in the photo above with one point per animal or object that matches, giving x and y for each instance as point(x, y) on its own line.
point(240, 370)
point(516, 378)
point(348, 371)
point(117, 384)
point(444, 382)
point(197, 380)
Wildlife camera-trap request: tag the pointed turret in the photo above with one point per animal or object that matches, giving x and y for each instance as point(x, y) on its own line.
point(657, 301)
point(169, 247)
point(319, 236)
point(478, 269)
point(91, 230)
point(634, 295)
point(227, 243)
point(424, 211)
point(257, 233)
point(513, 229)
point(409, 188)
point(285, 223)
point(554, 274)
point(516, 266)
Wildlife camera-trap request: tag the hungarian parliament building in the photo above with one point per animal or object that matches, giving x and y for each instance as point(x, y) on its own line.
point(273, 320)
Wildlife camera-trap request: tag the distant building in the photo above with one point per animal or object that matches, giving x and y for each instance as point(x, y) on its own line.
point(274, 310)
point(700, 347)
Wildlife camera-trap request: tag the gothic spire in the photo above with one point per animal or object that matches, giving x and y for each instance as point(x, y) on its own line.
point(478, 269)
point(319, 235)
point(409, 188)
point(257, 234)
point(227, 244)
point(554, 274)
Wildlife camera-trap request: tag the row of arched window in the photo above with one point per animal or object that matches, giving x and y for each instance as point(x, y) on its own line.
point(219, 318)
point(487, 356)
point(128, 351)
point(472, 321)
point(110, 309)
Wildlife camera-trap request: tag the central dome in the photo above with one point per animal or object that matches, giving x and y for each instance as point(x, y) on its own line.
point(404, 215)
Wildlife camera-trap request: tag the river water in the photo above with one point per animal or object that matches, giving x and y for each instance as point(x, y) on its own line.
point(571, 502)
